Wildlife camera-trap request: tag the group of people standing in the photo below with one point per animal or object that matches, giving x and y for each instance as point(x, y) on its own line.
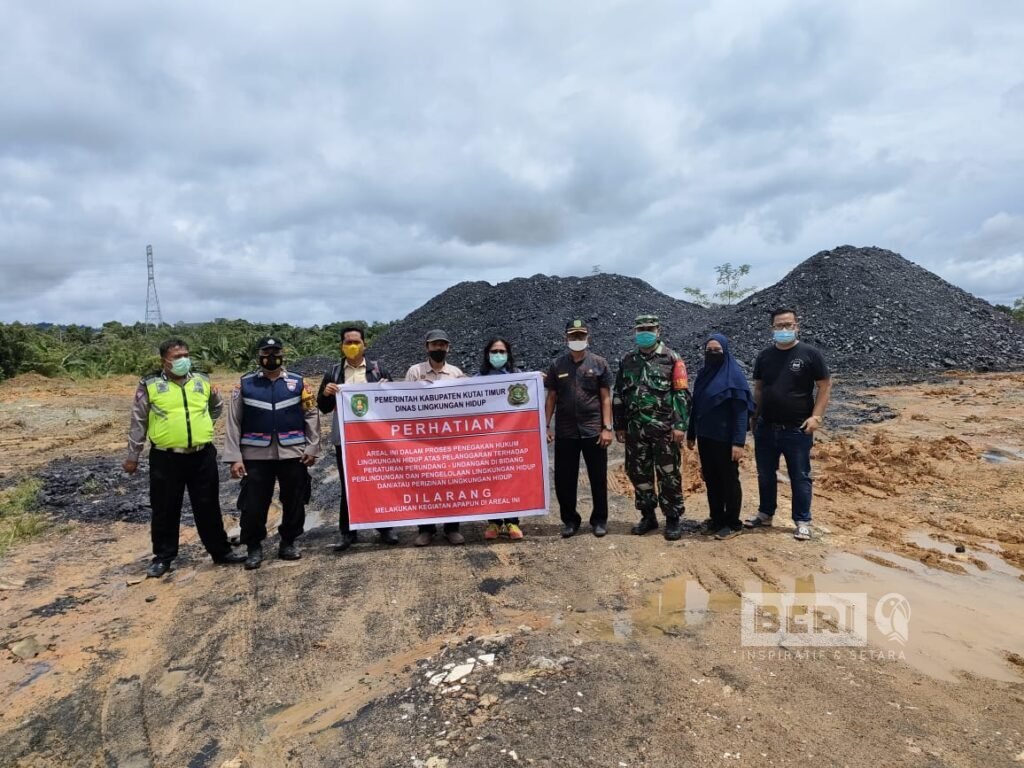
point(273, 434)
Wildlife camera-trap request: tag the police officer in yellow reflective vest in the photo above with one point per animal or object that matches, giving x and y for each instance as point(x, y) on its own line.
point(273, 435)
point(175, 408)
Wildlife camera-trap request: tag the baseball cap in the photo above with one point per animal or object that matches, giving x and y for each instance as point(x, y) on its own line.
point(576, 325)
point(270, 342)
point(437, 335)
point(645, 320)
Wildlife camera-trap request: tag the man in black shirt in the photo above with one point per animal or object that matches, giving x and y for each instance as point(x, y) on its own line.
point(788, 413)
point(579, 397)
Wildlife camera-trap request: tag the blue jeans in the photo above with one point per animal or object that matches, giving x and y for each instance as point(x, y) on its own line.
point(769, 444)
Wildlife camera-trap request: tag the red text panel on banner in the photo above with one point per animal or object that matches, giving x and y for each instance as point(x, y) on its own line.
point(461, 449)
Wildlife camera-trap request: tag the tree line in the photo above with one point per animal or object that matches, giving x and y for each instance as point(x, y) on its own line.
point(83, 352)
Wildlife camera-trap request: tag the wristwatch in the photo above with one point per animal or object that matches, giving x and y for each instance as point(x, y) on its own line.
point(610, 427)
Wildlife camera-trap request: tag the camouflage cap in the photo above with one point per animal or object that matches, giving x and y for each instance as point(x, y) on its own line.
point(642, 320)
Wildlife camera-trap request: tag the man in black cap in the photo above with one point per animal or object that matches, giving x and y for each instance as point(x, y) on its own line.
point(273, 435)
point(355, 369)
point(436, 368)
point(579, 397)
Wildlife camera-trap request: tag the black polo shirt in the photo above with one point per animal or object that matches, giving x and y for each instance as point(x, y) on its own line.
point(787, 379)
point(578, 387)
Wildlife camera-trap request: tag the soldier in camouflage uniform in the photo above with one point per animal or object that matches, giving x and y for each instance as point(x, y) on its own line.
point(651, 404)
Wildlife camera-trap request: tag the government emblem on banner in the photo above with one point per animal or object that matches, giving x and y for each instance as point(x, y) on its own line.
point(518, 394)
point(360, 404)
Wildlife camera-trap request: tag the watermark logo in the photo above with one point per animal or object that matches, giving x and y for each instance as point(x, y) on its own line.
point(820, 619)
point(892, 617)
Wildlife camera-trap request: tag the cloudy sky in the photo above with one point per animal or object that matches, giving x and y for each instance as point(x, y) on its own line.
point(313, 161)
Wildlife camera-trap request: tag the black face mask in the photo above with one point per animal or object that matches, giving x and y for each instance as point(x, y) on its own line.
point(271, 362)
point(714, 358)
point(438, 355)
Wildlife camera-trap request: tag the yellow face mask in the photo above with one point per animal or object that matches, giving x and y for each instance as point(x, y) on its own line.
point(352, 350)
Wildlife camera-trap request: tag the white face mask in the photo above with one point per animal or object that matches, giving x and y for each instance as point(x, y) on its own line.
point(578, 345)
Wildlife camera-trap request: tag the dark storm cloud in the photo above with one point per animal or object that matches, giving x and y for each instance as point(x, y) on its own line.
point(319, 160)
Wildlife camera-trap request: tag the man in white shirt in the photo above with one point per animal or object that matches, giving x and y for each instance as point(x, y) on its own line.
point(434, 369)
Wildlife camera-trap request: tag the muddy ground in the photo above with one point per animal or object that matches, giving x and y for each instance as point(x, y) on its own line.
point(622, 651)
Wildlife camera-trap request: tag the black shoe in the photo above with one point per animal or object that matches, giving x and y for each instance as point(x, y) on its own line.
point(288, 551)
point(342, 545)
point(600, 530)
point(708, 528)
point(157, 569)
point(254, 559)
point(388, 536)
point(673, 528)
point(647, 524)
point(229, 558)
point(568, 531)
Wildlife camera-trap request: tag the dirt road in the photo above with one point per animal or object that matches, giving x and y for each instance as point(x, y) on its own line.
point(621, 651)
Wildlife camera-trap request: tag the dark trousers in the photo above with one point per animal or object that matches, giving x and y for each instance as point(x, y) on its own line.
point(567, 472)
point(431, 528)
point(722, 480)
point(770, 443)
point(258, 492)
point(169, 475)
point(343, 524)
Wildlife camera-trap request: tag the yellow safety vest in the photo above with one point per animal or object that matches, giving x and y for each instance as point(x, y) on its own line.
point(179, 416)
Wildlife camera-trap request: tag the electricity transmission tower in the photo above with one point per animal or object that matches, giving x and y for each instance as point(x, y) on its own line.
point(152, 300)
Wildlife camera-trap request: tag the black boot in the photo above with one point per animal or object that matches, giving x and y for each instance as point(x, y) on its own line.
point(673, 528)
point(288, 551)
point(229, 558)
point(255, 557)
point(157, 568)
point(647, 524)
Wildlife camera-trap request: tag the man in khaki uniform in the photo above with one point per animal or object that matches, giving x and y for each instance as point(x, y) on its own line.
point(436, 368)
point(273, 436)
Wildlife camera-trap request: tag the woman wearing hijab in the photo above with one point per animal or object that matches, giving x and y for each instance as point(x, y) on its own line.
point(722, 404)
point(498, 360)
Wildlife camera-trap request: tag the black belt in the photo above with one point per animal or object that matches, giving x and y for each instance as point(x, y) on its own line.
point(193, 449)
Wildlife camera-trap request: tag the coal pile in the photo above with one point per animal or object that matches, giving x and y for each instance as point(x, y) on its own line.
point(95, 489)
point(869, 309)
point(532, 313)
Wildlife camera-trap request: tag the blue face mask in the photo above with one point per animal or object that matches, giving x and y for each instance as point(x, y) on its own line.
point(498, 359)
point(787, 336)
point(181, 366)
point(645, 339)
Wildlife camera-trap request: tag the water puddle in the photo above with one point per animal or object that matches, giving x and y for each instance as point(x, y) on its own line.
point(1002, 455)
point(956, 623)
point(969, 557)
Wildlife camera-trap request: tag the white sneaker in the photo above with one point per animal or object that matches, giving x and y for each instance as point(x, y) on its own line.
point(761, 521)
point(803, 532)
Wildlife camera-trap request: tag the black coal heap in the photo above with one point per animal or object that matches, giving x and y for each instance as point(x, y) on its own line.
point(868, 309)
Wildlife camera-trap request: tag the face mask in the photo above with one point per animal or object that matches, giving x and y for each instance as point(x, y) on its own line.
point(181, 366)
point(714, 358)
point(438, 355)
point(498, 359)
point(271, 362)
point(578, 345)
point(646, 339)
point(351, 351)
point(784, 336)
